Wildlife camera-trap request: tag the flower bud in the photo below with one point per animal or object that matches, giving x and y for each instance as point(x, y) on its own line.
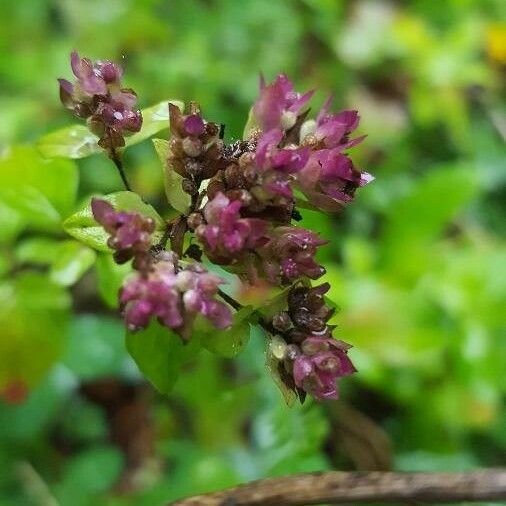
point(194, 220)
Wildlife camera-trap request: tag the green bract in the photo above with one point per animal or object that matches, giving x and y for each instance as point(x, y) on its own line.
point(178, 199)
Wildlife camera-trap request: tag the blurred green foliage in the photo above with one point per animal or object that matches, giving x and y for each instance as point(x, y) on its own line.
point(417, 263)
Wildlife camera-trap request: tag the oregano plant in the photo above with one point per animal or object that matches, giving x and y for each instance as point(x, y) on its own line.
point(236, 212)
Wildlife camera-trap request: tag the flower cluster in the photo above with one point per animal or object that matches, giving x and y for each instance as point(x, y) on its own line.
point(313, 359)
point(98, 97)
point(195, 147)
point(246, 224)
point(162, 286)
point(225, 234)
point(244, 201)
point(130, 233)
point(174, 295)
point(289, 255)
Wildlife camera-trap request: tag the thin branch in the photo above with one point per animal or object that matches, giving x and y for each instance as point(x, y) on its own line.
point(340, 487)
point(230, 300)
point(116, 158)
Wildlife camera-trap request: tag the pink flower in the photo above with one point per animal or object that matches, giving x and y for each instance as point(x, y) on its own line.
point(329, 179)
point(333, 130)
point(278, 104)
point(269, 156)
point(97, 96)
point(174, 295)
point(130, 233)
point(225, 234)
point(289, 254)
point(321, 363)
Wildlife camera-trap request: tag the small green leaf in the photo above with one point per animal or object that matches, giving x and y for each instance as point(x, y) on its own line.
point(110, 277)
point(33, 207)
point(275, 304)
point(83, 226)
point(154, 119)
point(227, 343)
point(77, 141)
point(275, 367)
point(37, 250)
point(72, 261)
point(39, 190)
point(73, 142)
point(159, 353)
point(176, 197)
point(250, 126)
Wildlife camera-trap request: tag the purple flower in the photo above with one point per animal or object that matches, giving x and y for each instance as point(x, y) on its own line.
point(321, 362)
point(97, 96)
point(276, 165)
point(278, 104)
point(269, 156)
point(290, 253)
point(226, 235)
point(129, 232)
point(330, 179)
point(174, 295)
point(331, 130)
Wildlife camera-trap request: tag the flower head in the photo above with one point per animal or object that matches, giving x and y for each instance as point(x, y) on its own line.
point(130, 233)
point(225, 234)
point(330, 179)
point(289, 254)
point(195, 147)
point(98, 97)
point(174, 295)
point(278, 105)
point(269, 156)
point(321, 363)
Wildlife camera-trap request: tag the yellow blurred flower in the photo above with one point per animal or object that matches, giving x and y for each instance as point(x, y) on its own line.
point(496, 42)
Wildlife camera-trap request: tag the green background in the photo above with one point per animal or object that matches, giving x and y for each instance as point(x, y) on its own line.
point(417, 263)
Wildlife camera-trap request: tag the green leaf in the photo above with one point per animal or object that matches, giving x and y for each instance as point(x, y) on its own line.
point(159, 353)
point(83, 226)
point(73, 142)
point(95, 347)
point(226, 343)
point(275, 368)
point(90, 472)
point(38, 190)
point(176, 197)
point(110, 277)
point(77, 141)
point(250, 126)
point(154, 119)
point(72, 261)
point(414, 221)
point(12, 223)
point(33, 317)
point(37, 250)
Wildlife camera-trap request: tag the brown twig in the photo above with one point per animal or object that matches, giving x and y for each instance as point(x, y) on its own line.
point(340, 487)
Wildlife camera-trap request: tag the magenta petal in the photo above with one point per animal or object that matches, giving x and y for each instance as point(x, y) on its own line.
point(75, 63)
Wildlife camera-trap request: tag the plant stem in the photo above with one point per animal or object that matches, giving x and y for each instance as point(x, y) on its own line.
point(116, 158)
point(230, 300)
